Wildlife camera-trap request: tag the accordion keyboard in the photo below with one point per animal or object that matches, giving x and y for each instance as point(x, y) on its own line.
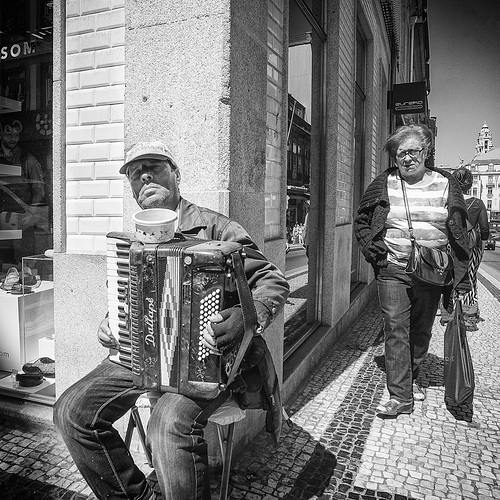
point(117, 253)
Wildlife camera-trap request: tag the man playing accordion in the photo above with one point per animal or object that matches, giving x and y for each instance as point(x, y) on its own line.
point(85, 413)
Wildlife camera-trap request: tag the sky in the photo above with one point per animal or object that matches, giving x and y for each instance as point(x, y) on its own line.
point(464, 75)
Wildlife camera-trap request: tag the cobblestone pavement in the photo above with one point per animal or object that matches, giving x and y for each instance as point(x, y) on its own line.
point(337, 447)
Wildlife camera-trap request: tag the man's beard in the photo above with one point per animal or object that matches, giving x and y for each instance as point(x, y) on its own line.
point(161, 198)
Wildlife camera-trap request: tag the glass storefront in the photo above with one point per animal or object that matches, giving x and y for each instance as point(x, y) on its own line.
point(26, 290)
point(305, 168)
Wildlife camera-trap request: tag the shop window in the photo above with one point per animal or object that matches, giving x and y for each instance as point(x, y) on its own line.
point(26, 291)
point(305, 104)
point(359, 143)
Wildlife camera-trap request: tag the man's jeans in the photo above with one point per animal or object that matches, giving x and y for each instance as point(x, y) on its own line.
point(409, 308)
point(84, 415)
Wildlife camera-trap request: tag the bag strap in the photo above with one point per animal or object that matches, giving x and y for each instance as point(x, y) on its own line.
point(408, 217)
point(471, 203)
point(407, 208)
point(250, 328)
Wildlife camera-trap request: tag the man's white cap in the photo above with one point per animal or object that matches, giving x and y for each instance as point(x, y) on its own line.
point(155, 150)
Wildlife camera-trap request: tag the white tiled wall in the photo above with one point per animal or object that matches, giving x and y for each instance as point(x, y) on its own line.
point(95, 85)
point(273, 131)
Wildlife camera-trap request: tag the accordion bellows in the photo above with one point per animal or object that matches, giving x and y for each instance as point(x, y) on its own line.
point(160, 297)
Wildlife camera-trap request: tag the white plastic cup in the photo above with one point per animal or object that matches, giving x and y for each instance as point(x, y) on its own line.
point(154, 225)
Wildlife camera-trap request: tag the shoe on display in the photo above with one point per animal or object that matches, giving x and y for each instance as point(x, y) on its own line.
point(45, 366)
point(393, 408)
point(418, 392)
point(29, 379)
point(11, 279)
point(32, 369)
point(29, 278)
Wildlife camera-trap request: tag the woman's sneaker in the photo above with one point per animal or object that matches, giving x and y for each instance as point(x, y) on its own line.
point(393, 408)
point(418, 392)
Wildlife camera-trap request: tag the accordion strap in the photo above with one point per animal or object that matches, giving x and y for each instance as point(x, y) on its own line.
point(249, 314)
point(250, 328)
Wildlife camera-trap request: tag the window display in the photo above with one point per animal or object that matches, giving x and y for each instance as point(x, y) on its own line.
point(27, 357)
point(26, 289)
point(25, 130)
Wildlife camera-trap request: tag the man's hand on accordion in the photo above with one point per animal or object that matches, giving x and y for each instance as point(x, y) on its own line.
point(105, 336)
point(224, 330)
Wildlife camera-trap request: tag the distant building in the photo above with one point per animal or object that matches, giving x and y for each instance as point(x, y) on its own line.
point(298, 162)
point(484, 141)
point(486, 171)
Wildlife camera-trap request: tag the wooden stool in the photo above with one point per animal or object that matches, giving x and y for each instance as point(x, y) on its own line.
point(224, 419)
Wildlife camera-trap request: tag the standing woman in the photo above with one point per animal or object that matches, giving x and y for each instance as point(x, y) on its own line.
point(438, 215)
point(479, 232)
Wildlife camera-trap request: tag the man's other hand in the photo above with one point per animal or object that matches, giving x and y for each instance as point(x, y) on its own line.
point(105, 336)
point(225, 330)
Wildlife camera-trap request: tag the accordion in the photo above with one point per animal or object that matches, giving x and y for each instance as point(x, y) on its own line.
point(160, 297)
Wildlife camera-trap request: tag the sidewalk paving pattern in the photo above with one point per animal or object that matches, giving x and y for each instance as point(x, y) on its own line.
point(337, 447)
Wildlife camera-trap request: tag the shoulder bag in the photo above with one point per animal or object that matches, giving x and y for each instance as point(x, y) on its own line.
point(428, 265)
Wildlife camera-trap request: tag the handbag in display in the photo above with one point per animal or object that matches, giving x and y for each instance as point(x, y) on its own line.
point(429, 265)
point(459, 381)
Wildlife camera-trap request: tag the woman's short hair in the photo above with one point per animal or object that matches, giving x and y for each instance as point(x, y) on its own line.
point(421, 132)
point(464, 177)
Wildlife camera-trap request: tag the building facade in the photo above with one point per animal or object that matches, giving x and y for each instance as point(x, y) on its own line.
point(486, 173)
point(212, 79)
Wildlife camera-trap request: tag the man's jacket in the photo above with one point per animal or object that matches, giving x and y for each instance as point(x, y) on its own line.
point(369, 225)
point(266, 281)
point(267, 285)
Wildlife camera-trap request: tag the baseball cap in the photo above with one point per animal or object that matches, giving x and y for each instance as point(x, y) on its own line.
point(155, 150)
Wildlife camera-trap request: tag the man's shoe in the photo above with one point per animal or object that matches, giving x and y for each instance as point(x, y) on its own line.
point(394, 408)
point(418, 392)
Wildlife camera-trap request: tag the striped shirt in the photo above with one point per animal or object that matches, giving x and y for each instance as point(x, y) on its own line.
point(427, 202)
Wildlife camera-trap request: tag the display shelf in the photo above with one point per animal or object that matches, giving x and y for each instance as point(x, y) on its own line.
point(9, 105)
point(44, 393)
point(25, 320)
point(7, 171)
point(27, 326)
point(11, 234)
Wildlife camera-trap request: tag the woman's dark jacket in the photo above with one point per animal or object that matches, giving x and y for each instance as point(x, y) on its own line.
point(369, 225)
point(478, 216)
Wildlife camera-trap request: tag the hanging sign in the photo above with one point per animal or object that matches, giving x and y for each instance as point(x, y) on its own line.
point(409, 98)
